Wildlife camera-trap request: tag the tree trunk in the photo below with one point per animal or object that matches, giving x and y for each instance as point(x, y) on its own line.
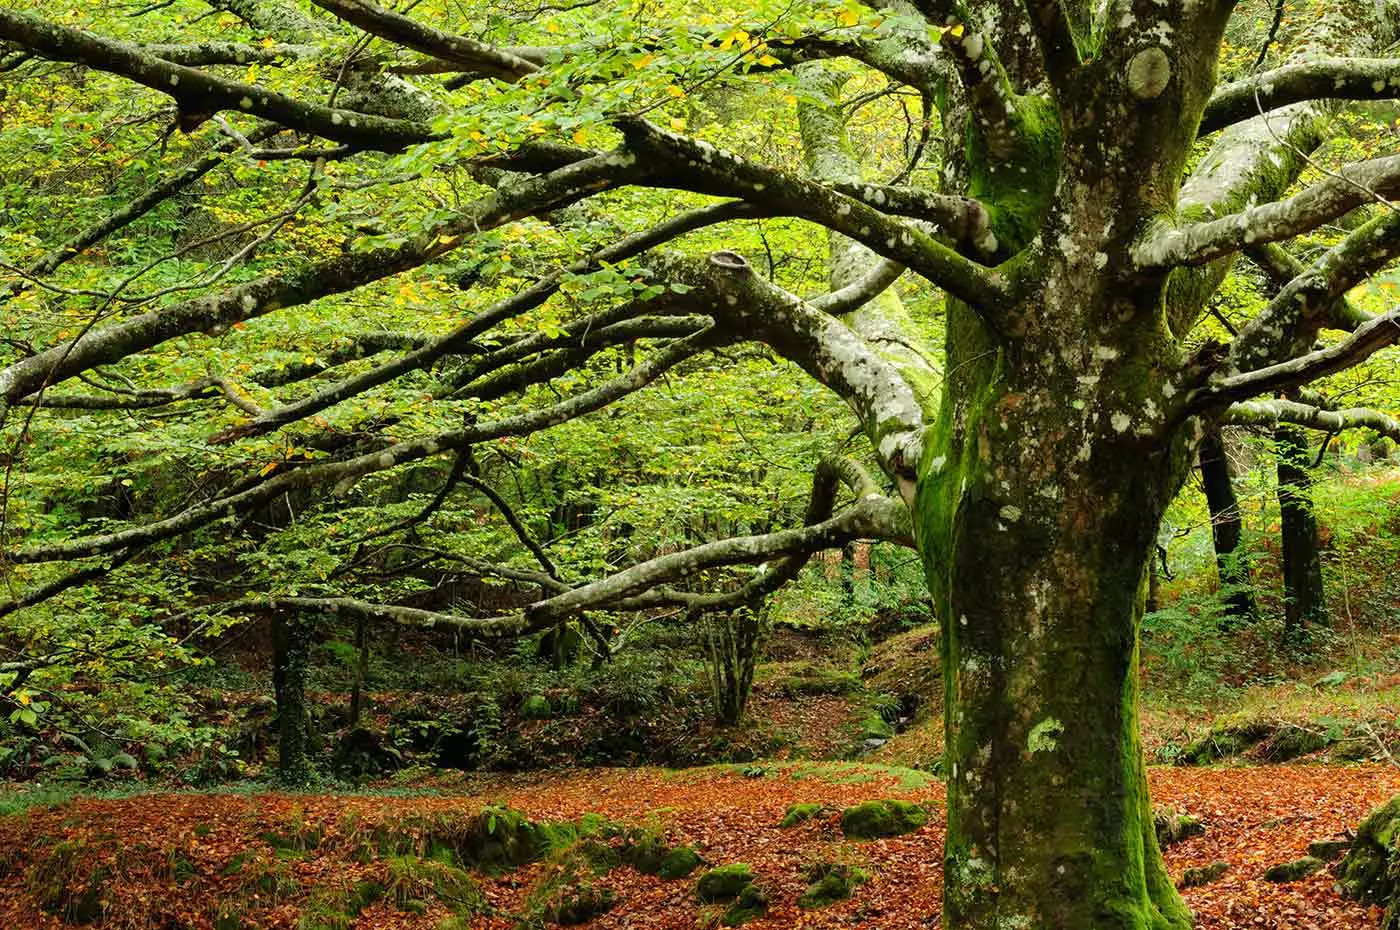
point(291, 639)
point(357, 688)
point(1226, 528)
point(732, 641)
point(1048, 814)
point(1037, 520)
point(1305, 604)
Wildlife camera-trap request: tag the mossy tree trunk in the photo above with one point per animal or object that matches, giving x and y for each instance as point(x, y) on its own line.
point(291, 639)
point(1037, 534)
point(1226, 528)
point(1304, 601)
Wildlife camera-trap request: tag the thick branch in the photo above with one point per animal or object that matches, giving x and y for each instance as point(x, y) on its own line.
point(1368, 339)
point(199, 92)
point(460, 337)
point(703, 168)
point(1291, 320)
point(402, 30)
point(1320, 79)
point(1340, 193)
point(1270, 413)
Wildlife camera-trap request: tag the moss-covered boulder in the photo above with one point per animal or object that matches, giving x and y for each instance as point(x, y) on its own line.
point(1195, 878)
point(1370, 873)
point(1292, 871)
point(414, 882)
point(751, 904)
point(1173, 826)
point(679, 863)
point(1329, 850)
point(644, 849)
point(874, 819)
point(724, 882)
point(801, 813)
point(830, 882)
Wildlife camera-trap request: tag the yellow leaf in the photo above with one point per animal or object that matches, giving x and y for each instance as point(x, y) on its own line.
point(269, 42)
point(790, 100)
point(848, 17)
point(642, 62)
point(769, 61)
point(23, 697)
point(551, 27)
point(267, 469)
point(448, 240)
point(956, 31)
point(677, 124)
point(675, 91)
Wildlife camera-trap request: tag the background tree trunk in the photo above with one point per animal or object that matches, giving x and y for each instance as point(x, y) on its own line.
point(1305, 603)
point(291, 641)
point(1226, 528)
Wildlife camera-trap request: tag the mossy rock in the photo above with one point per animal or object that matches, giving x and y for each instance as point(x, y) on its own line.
point(228, 917)
point(679, 863)
point(1174, 826)
point(1195, 878)
point(751, 904)
point(493, 839)
point(536, 707)
point(1292, 871)
point(801, 813)
point(1225, 741)
point(644, 850)
point(568, 890)
point(875, 726)
point(874, 819)
point(412, 882)
point(1329, 850)
point(724, 882)
point(577, 903)
point(1291, 742)
point(830, 882)
point(1370, 873)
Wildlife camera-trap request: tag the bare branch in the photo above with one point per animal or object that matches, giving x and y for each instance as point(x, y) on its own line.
point(345, 473)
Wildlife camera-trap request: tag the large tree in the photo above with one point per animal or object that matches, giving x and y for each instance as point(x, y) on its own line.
point(1095, 184)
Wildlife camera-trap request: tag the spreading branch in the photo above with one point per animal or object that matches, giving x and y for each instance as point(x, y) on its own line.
point(200, 92)
point(1270, 413)
point(1320, 79)
point(1338, 194)
point(1359, 345)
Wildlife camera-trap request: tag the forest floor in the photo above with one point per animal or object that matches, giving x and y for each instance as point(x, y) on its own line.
point(188, 860)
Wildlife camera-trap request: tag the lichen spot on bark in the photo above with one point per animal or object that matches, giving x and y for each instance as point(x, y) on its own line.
point(1148, 73)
